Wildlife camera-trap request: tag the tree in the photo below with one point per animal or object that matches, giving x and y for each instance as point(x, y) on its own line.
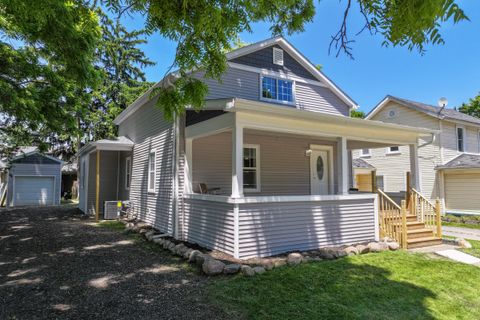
point(204, 29)
point(472, 107)
point(357, 114)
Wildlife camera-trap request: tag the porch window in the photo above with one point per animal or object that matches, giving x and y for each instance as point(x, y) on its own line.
point(251, 168)
point(152, 167)
point(393, 150)
point(128, 172)
point(277, 89)
point(460, 139)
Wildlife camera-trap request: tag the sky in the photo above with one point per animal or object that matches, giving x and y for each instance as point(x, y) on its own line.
point(451, 70)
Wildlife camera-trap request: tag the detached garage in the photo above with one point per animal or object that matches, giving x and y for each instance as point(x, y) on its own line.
point(33, 179)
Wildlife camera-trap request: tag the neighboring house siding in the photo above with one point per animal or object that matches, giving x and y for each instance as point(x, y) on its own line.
point(449, 140)
point(461, 190)
point(33, 169)
point(273, 228)
point(209, 224)
point(148, 129)
point(284, 167)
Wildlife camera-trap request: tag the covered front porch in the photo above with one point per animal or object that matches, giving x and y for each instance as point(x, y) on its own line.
point(262, 179)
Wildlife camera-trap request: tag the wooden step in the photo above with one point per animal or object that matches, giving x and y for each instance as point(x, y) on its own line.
point(423, 242)
point(411, 225)
point(410, 218)
point(419, 233)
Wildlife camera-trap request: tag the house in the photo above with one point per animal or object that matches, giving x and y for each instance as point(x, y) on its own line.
point(31, 179)
point(449, 163)
point(70, 180)
point(265, 168)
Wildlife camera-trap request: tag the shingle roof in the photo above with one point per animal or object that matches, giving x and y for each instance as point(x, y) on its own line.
point(361, 164)
point(463, 161)
point(435, 111)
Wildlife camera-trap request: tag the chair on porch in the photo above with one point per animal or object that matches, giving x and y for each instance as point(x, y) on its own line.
point(202, 187)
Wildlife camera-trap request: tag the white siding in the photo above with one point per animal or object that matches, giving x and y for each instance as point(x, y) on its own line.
point(449, 140)
point(462, 191)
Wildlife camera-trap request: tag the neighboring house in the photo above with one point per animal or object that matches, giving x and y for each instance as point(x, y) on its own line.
point(265, 168)
point(33, 179)
point(449, 162)
point(70, 180)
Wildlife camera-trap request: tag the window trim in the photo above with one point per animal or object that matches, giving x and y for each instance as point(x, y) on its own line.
point(464, 136)
point(368, 154)
point(389, 150)
point(294, 96)
point(128, 172)
point(257, 168)
point(154, 152)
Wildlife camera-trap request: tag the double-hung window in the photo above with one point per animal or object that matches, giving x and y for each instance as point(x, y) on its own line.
point(251, 168)
point(364, 152)
point(128, 172)
point(393, 150)
point(280, 90)
point(460, 139)
point(152, 168)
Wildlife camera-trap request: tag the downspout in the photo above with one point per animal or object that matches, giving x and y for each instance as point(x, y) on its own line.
point(118, 174)
point(175, 141)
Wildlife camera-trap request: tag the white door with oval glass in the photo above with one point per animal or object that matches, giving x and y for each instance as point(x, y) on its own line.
point(319, 172)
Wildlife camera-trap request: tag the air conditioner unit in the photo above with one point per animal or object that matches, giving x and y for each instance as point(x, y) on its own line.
point(111, 210)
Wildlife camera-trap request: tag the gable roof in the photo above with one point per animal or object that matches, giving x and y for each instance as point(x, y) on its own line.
point(462, 161)
point(24, 153)
point(433, 111)
point(361, 164)
point(169, 79)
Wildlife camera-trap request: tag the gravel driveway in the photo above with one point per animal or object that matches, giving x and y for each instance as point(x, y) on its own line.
point(56, 264)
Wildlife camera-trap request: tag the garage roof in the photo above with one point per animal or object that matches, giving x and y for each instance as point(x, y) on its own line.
point(462, 161)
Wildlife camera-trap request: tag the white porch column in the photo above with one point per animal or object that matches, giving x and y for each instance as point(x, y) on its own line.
point(237, 161)
point(342, 163)
point(414, 167)
point(188, 166)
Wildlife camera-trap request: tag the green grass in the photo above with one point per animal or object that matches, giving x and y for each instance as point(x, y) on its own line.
point(461, 225)
point(390, 285)
point(475, 250)
point(111, 224)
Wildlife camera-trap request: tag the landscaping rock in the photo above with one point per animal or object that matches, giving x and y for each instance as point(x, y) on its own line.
point(326, 254)
point(259, 270)
point(187, 253)
point(280, 262)
point(268, 264)
point(377, 246)
point(393, 246)
point(294, 258)
point(351, 251)
point(317, 259)
point(231, 268)
point(149, 235)
point(247, 271)
point(180, 249)
point(200, 259)
point(362, 249)
point(463, 243)
point(212, 267)
point(159, 241)
point(339, 253)
point(193, 256)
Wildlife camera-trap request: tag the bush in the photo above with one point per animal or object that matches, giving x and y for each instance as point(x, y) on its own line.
point(465, 219)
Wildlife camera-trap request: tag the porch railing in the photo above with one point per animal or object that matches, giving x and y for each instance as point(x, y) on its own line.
point(426, 212)
point(393, 219)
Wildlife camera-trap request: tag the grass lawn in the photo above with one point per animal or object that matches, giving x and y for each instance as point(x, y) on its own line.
point(461, 225)
point(475, 250)
point(390, 285)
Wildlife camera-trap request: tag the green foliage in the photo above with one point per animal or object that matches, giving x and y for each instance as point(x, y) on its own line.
point(357, 114)
point(472, 107)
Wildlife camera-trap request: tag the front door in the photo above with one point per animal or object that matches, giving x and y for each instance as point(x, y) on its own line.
point(319, 172)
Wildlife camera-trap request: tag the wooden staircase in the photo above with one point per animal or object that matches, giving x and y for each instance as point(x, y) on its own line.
point(415, 225)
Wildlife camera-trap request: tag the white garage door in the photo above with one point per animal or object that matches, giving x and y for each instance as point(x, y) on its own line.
point(462, 191)
point(33, 191)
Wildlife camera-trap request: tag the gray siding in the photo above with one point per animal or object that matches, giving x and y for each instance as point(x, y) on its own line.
point(92, 187)
point(273, 228)
point(264, 59)
point(209, 224)
point(319, 99)
point(34, 169)
point(123, 192)
point(284, 168)
point(150, 131)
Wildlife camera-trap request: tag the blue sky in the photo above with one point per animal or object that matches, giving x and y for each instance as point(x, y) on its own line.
point(451, 70)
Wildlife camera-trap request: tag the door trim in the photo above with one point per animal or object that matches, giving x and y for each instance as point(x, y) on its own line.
point(329, 150)
point(35, 176)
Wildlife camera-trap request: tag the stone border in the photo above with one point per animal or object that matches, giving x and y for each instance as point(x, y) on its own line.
point(460, 242)
point(211, 266)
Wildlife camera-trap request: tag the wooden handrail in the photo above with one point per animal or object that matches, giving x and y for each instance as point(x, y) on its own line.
point(426, 211)
point(392, 219)
point(393, 203)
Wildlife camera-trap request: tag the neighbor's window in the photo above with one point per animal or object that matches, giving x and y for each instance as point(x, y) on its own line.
point(251, 168)
point(128, 172)
point(460, 139)
point(365, 152)
point(395, 149)
point(277, 89)
point(151, 171)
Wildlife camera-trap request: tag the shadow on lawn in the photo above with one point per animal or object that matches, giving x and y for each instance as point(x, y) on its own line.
point(326, 290)
point(54, 265)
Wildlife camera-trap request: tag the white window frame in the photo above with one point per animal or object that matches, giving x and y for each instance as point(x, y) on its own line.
point(257, 168)
point(294, 95)
point(128, 172)
point(368, 154)
point(154, 152)
point(389, 150)
point(464, 137)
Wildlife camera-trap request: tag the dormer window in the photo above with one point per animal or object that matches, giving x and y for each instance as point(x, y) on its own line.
point(278, 56)
point(280, 90)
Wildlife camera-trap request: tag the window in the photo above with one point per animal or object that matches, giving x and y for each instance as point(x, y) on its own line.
point(152, 166)
point(128, 172)
point(277, 89)
point(365, 152)
point(393, 150)
point(460, 139)
point(380, 182)
point(251, 168)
